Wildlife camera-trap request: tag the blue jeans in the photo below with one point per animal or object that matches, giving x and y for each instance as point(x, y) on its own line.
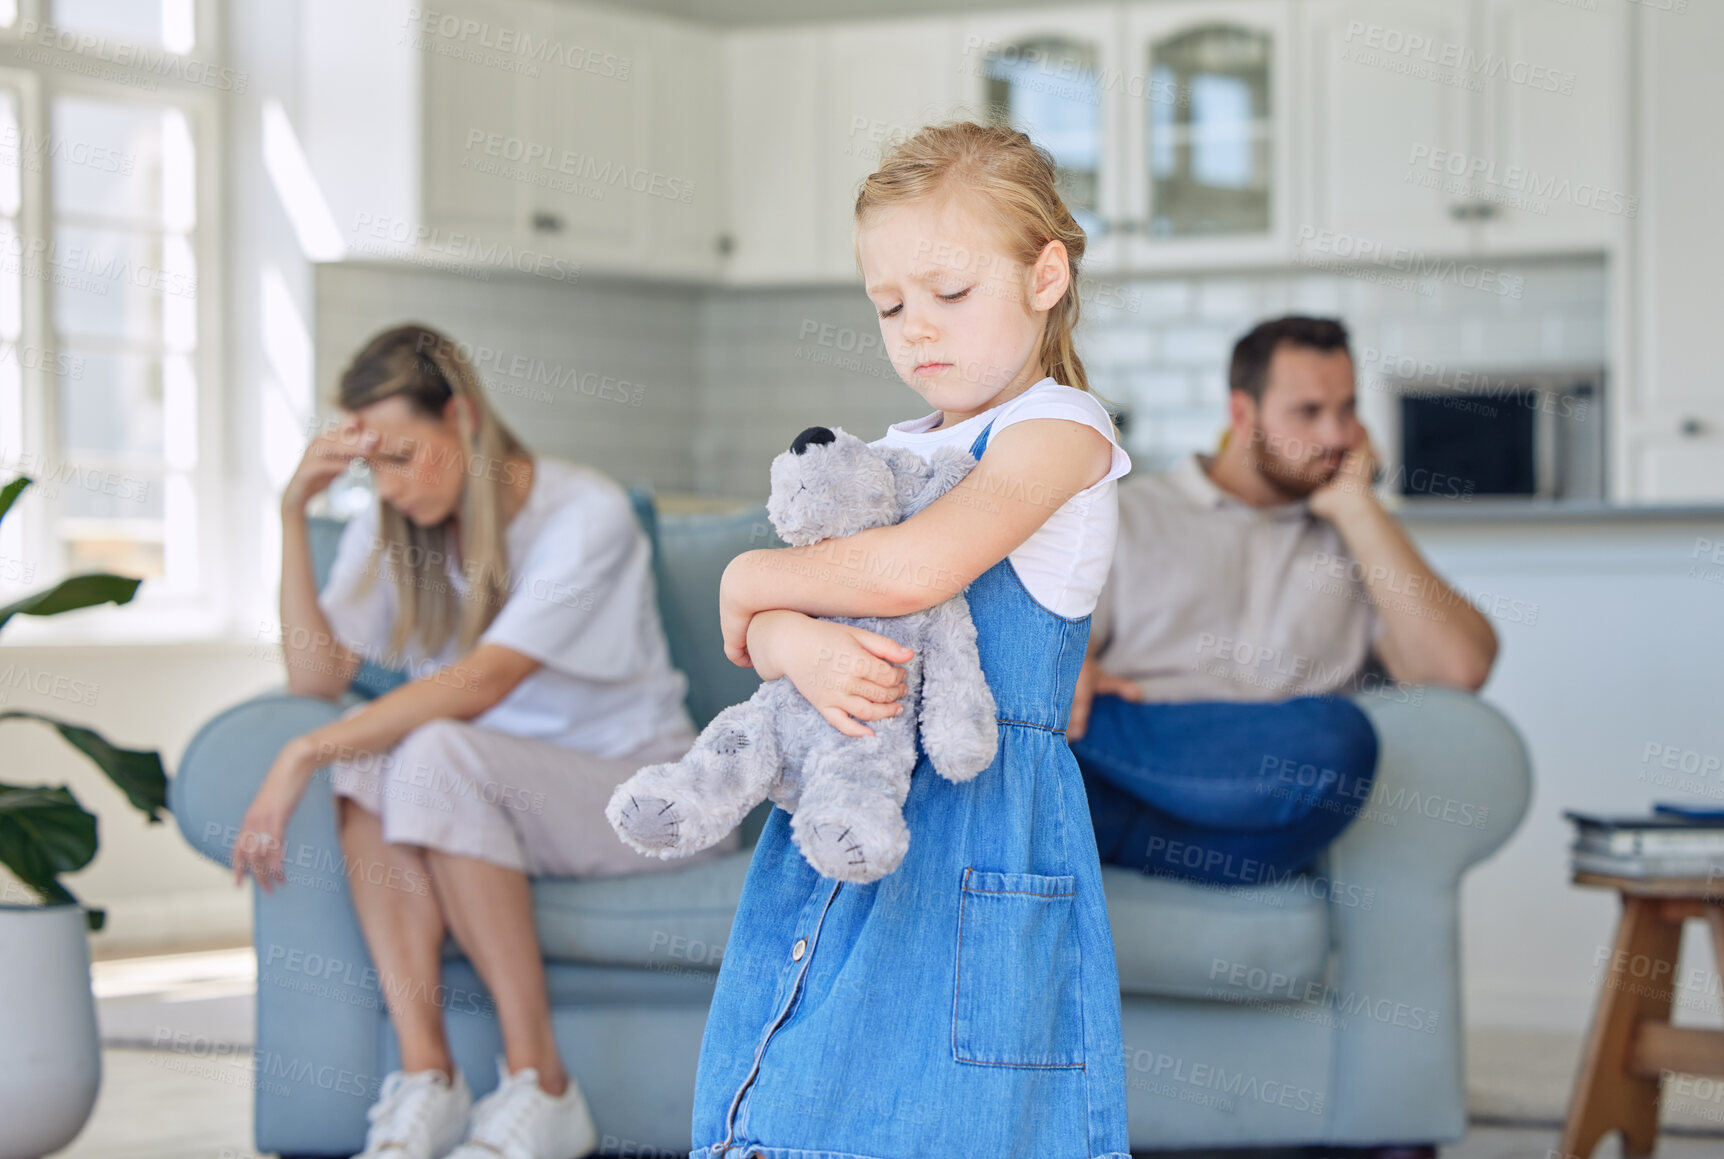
point(1224, 792)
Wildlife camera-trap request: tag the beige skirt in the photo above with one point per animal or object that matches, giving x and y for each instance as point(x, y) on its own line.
point(518, 802)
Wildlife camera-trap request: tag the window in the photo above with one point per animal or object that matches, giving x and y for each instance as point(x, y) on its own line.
point(106, 364)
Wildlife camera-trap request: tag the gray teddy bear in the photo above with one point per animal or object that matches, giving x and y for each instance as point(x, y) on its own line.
point(846, 793)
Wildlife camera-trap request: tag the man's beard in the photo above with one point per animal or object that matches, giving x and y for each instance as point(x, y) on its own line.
point(1295, 478)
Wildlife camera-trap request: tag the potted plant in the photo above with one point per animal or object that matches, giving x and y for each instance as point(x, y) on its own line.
point(50, 1055)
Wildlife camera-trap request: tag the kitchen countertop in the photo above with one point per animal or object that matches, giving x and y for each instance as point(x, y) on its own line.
point(1547, 511)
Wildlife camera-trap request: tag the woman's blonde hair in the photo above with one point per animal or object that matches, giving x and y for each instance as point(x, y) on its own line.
point(1013, 184)
point(428, 369)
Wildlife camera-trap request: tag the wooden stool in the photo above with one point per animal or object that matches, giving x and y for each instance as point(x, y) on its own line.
point(1632, 1040)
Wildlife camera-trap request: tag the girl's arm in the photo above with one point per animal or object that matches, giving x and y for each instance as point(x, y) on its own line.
point(460, 691)
point(1027, 473)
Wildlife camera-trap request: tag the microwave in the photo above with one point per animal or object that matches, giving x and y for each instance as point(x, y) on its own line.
point(1499, 435)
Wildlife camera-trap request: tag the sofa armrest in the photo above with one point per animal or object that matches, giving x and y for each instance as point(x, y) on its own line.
point(320, 1008)
point(1453, 783)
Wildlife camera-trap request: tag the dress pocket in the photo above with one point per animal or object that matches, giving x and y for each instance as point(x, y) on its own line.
point(1017, 1000)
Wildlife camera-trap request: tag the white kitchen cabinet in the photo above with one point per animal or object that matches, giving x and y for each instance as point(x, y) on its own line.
point(1553, 140)
point(1207, 149)
point(548, 136)
point(592, 128)
point(1670, 419)
point(1376, 111)
point(1485, 127)
point(811, 111)
point(772, 78)
point(462, 102)
point(879, 80)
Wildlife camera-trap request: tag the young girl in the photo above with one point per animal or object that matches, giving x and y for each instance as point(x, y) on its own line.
point(966, 1004)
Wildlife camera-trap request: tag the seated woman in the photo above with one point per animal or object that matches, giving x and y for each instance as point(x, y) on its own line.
point(518, 590)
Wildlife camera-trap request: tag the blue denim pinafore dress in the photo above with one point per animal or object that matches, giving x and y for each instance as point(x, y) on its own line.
point(964, 1006)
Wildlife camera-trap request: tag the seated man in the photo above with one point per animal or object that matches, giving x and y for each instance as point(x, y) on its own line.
point(1249, 592)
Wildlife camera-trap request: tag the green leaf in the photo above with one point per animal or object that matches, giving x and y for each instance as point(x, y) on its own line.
point(43, 833)
point(10, 492)
point(138, 774)
point(79, 591)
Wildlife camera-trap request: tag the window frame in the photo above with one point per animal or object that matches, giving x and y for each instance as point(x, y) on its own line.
point(201, 611)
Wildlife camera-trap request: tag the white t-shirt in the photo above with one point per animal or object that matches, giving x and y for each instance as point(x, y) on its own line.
point(581, 602)
point(1064, 562)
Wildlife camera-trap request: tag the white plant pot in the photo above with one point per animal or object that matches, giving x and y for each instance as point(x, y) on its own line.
point(50, 1050)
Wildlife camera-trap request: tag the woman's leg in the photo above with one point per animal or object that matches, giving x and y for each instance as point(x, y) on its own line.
point(404, 931)
point(490, 909)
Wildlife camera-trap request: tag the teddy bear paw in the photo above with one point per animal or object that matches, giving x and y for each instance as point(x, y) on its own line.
point(653, 822)
point(839, 849)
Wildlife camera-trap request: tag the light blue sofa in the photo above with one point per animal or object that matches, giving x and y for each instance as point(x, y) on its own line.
point(1323, 1009)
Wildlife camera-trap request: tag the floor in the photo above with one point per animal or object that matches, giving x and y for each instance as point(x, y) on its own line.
point(194, 1102)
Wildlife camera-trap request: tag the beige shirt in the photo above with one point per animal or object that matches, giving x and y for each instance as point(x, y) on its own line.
point(1210, 598)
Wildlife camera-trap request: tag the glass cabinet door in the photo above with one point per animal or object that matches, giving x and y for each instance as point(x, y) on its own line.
point(1055, 74)
point(1050, 88)
point(1208, 168)
point(1209, 140)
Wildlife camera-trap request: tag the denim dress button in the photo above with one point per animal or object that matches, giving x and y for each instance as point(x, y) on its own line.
point(797, 950)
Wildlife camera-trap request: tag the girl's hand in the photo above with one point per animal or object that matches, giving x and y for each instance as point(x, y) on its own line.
point(258, 848)
point(844, 671)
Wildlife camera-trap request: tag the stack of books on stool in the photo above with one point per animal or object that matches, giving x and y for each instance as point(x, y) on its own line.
point(1674, 840)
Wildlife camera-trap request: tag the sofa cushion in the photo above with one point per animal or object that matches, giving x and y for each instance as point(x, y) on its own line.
point(1170, 937)
point(672, 919)
point(1184, 940)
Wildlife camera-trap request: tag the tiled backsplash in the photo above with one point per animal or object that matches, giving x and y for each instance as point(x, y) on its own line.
point(725, 378)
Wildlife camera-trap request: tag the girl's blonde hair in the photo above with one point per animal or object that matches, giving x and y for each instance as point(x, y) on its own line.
point(428, 369)
point(1014, 184)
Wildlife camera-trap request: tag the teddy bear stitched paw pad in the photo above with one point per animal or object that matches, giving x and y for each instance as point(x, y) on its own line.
point(651, 822)
point(847, 846)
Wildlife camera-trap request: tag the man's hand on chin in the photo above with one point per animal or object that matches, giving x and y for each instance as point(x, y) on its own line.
point(1091, 683)
point(1350, 489)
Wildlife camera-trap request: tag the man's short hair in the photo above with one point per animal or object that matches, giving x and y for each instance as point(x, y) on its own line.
point(1249, 370)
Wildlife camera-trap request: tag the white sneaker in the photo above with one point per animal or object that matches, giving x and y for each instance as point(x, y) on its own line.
point(520, 1121)
point(419, 1115)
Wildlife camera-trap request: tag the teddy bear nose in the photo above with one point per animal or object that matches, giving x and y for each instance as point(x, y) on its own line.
point(812, 435)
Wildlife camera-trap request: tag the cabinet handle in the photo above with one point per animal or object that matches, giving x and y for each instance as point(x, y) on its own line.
point(547, 222)
point(1691, 427)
